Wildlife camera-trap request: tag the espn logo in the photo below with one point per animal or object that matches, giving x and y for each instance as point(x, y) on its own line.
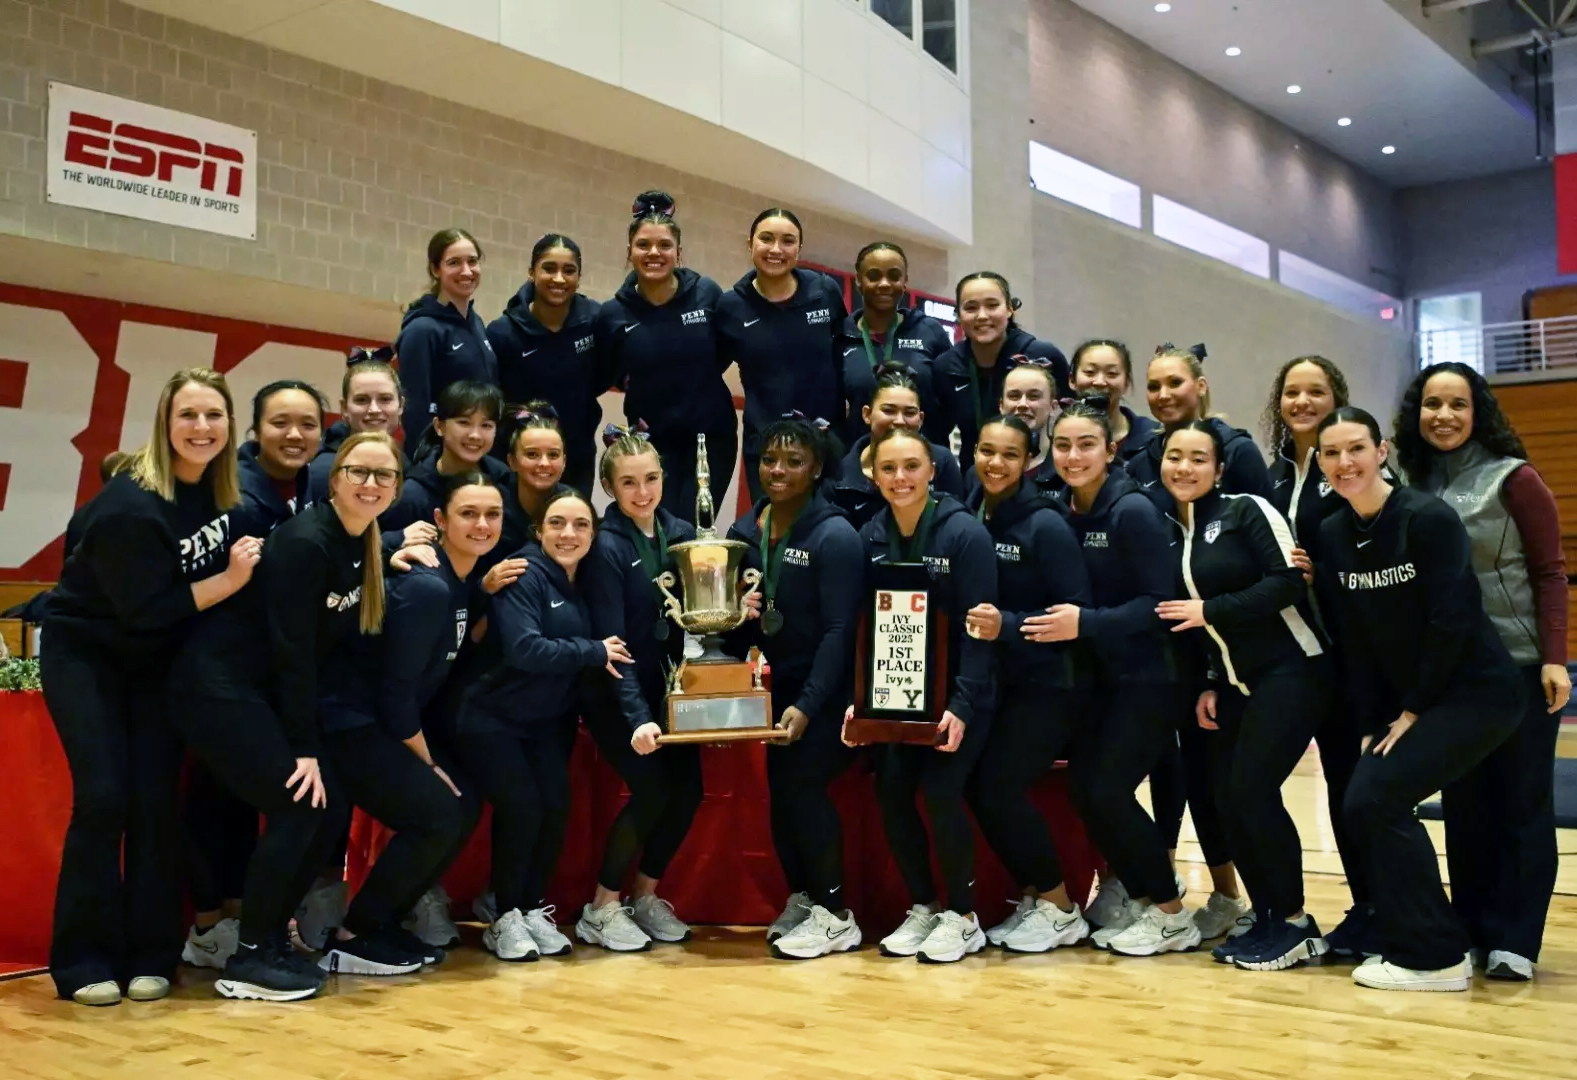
point(141, 151)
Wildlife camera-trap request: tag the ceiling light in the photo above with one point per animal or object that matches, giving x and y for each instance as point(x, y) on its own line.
point(1233, 50)
point(1345, 121)
point(1294, 89)
point(1163, 8)
point(1387, 149)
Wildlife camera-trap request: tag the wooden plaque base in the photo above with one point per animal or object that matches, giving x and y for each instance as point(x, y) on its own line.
point(727, 690)
point(863, 730)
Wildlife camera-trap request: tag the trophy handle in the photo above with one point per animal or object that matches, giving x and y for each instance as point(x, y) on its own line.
point(752, 580)
point(664, 582)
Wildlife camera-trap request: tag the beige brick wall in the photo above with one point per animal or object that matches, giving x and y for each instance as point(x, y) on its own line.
point(355, 174)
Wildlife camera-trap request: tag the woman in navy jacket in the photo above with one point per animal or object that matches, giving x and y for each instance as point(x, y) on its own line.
point(1045, 687)
point(883, 333)
point(895, 403)
point(625, 715)
point(371, 399)
point(1102, 367)
point(516, 726)
point(459, 439)
point(919, 527)
point(657, 340)
point(546, 349)
point(1137, 692)
point(1270, 685)
point(812, 565)
point(442, 339)
point(969, 376)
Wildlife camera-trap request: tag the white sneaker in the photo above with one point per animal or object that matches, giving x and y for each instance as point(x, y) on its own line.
point(1182, 889)
point(148, 988)
point(611, 927)
point(212, 947)
point(953, 937)
point(510, 939)
point(1111, 901)
point(1508, 966)
point(656, 917)
point(796, 911)
point(1001, 930)
point(1046, 927)
point(322, 911)
point(429, 920)
point(485, 907)
point(1157, 932)
point(1219, 915)
point(1120, 920)
point(907, 939)
point(819, 933)
point(1377, 974)
point(545, 932)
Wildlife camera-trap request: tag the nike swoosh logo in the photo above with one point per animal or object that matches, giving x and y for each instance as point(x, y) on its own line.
point(1061, 926)
point(970, 935)
point(846, 352)
point(632, 326)
point(205, 946)
point(526, 354)
point(1283, 483)
point(838, 933)
point(752, 322)
point(637, 562)
point(1149, 483)
point(356, 565)
point(1362, 543)
point(457, 345)
point(831, 891)
point(1174, 933)
point(556, 603)
point(964, 386)
point(877, 558)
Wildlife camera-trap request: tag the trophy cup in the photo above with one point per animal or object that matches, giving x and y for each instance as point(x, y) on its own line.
point(900, 660)
point(713, 698)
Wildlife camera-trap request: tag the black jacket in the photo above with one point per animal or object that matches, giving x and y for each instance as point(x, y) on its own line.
point(625, 603)
point(917, 341)
point(438, 346)
point(857, 496)
point(784, 351)
point(555, 366)
point(951, 376)
point(1038, 566)
point(666, 359)
point(1236, 556)
point(318, 469)
point(1125, 545)
point(1413, 629)
point(1307, 500)
point(262, 502)
point(818, 595)
point(1245, 472)
point(960, 557)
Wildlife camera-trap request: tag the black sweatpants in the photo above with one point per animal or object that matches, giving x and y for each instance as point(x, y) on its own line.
point(902, 772)
point(1500, 834)
point(1185, 777)
point(221, 834)
point(244, 745)
point(678, 454)
point(1261, 739)
point(665, 793)
point(1034, 726)
point(1129, 725)
point(431, 825)
point(806, 830)
point(1416, 925)
point(524, 773)
point(1340, 739)
point(125, 764)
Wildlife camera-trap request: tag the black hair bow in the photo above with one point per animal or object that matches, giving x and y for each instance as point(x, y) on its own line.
point(612, 433)
point(643, 206)
point(361, 354)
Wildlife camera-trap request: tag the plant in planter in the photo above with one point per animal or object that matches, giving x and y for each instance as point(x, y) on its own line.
point(16, 674)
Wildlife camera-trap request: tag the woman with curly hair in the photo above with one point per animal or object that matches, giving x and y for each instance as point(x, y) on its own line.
point(1454, 441)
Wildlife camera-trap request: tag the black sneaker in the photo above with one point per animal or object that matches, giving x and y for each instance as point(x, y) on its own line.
point(1283, 945)
point(1249, 939)
point(402, 939)
point(368, 954)
point(265, 973)
point(1354, 935)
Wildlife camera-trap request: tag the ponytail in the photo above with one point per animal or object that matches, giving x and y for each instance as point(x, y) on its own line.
point(372, 581)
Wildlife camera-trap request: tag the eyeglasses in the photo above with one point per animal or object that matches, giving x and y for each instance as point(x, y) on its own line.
point(360, 474)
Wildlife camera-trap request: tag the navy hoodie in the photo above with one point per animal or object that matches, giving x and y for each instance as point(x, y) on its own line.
point(784, 351)
point(1244, 474)
point(318, 469)
point(1038, 566)
point(951, 376)
point(424, 491)
point(918, 340)
point(1127, 552)
point(961, 558)
point(818, 595)
point(263, 503)
point(546, 639)
point(625, 604)
point(857, 496)
point(1140, 430)
point(555, 366)
point(666, 358)
point(438, 346)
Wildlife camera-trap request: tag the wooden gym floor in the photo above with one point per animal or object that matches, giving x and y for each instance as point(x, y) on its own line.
point(719, 1007)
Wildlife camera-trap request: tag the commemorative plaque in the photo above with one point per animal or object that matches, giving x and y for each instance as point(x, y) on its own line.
point(713, 698)
point(900, 660)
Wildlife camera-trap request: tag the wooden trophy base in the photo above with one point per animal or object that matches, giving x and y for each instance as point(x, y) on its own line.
point(864, 730)
point(717, 703)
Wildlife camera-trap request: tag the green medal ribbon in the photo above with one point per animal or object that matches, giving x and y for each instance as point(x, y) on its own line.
point(651, 550)
point(870, 347)
point(771, 559)
point(913, 549)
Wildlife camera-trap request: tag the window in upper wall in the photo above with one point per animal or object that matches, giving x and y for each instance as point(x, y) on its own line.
point(1349, 295)
point(1451, 328)
point(899, 14)
point(1071, 180)
point(939, 23)
point(1204, 234)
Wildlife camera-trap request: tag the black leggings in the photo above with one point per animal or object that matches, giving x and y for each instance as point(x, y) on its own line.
point(1500, 834)
point(244, 745)
point(1185, 777)
point(1129, 726)
point(221, 835)
point(524, 773)
point(1340, 739)
point(1033, 728)
point(678, 453)
point(125, 770)
point(1417, 927)
point(431, 825)
point(1261, 739)
point(901, 773)
point(806, 830)
point(665, 793)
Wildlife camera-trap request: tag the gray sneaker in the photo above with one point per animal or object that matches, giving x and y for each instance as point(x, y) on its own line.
point(429, 920)
point(509, 939)
point(545, 932)
point(611, 927)
point(998, 933)
point(485, 907)
point(320, 913)
point(911, 933)
point(656, 917)
point(796, 911)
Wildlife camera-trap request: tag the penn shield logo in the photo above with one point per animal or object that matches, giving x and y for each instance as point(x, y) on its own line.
point(335, 602)
point(1212, 531)
point(1325, 487)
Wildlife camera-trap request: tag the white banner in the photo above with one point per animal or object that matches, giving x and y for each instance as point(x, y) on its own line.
point(123, 157)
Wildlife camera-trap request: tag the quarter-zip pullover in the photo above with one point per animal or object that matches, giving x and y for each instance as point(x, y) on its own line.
point(438, 346)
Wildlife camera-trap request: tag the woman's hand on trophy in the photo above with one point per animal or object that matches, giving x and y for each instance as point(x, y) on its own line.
point(645, 738)
point(794, 722)
point(752, 605)
point(408, 557)
point(952, 731)
point(983, 621)
point(1060, 623)
point(617, 654)
point(505, 573)
point(848, 714)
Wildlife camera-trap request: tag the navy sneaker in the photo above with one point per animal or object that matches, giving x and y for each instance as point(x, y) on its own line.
point(1249, 939)
point(403, 939)
point(369, 954)
point(266, 972)
point(1354, 936)
point(1282, 945)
